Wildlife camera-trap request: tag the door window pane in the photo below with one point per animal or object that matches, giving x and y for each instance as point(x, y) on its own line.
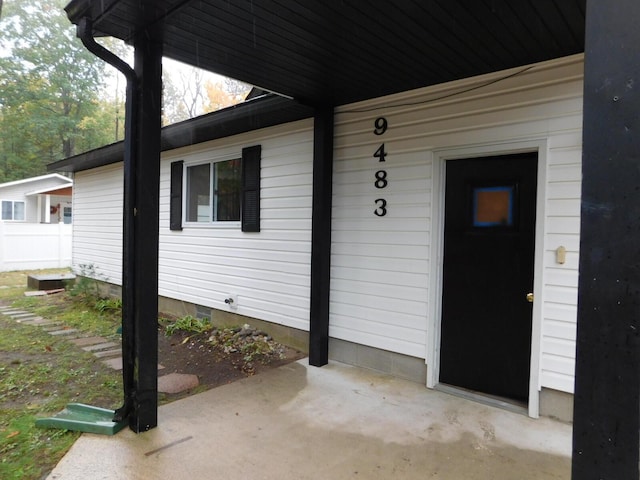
point(493, 206)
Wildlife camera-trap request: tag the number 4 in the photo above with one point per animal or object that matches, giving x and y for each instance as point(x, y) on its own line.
point(380, 153)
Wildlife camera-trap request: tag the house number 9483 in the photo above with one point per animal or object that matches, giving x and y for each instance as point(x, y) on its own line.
point(380, 128)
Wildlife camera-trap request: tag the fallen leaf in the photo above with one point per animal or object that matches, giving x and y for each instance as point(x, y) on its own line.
point(185, 340)
point(48, 348)
point(13, 434)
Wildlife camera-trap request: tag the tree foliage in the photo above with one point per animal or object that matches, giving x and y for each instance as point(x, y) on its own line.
point(50, 107)
point(189, 92)
point(56, 99)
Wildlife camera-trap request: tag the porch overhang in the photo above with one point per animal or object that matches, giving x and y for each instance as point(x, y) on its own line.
point(338, 52)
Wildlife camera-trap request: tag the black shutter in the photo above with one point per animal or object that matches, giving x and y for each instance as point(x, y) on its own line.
point(175, 199)
point(251, 188)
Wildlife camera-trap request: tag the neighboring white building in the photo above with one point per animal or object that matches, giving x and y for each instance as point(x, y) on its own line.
point(396, 161)
point(35, 223)
point(43, 199)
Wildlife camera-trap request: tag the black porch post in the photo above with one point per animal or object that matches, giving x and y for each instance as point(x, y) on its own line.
point(607, 403)
point(140, 269)
point(321, 237)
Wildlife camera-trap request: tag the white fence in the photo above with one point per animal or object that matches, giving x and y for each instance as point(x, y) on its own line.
point(31, 246)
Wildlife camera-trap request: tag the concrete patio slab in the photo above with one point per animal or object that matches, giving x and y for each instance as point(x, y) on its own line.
point(337, 422)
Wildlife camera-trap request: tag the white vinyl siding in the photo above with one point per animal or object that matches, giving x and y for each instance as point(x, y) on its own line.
point(381, 265)
point(97, 222)
point(269, 271)
point(561, 280)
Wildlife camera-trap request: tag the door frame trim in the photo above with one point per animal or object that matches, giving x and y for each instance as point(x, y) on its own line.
point(440, 156)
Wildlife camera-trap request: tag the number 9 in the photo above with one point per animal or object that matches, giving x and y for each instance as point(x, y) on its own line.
point(381, 125)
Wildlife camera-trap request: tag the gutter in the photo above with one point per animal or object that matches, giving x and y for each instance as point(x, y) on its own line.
point(85, 33)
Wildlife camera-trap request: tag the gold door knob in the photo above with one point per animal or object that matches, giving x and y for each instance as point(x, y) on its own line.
point(530, 297)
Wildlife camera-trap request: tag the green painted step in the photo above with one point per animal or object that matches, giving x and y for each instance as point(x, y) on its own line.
point(83, 418)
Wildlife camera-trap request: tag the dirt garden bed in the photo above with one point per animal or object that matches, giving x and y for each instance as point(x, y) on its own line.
point(220, 356)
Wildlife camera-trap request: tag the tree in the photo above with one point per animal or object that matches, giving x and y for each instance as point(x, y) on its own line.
point(50, 106)
point(190, 91)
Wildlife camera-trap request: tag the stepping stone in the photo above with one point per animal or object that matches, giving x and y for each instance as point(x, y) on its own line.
point(39, 322)
point(51, 327)
point(108, 353)
point(177, 382)
point(19, 314)
point(99, 346)
point(66, 331)
point(84, 341)
point(115, 363)
point(36, 293)
point(43, 293)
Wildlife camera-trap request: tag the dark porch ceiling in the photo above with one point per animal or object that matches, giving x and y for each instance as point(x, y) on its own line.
point(341, 51)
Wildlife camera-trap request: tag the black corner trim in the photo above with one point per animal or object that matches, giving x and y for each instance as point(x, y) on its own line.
point(251, 188)
point(175, 202)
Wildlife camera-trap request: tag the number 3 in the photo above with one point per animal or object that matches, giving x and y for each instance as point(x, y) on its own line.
point(381, 211)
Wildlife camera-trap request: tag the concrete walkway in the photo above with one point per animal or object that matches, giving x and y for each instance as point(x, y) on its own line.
point(335, 422)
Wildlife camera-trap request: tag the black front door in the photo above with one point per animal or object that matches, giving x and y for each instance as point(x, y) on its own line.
point(490, 208)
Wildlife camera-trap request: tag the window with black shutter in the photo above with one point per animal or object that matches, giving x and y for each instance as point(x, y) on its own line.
point(217, 191)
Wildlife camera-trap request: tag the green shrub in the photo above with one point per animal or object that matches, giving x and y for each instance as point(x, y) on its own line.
point(189, 324)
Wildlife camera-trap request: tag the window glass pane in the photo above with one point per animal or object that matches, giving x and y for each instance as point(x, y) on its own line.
point(493, 206)
point(7, 210)
point(227, 190)
point(198, 191)
point(18, 210)
point(66, 216)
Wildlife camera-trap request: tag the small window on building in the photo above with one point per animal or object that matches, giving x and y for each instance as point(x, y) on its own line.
point(213, 192)
point(13, 210)
point(66, 215)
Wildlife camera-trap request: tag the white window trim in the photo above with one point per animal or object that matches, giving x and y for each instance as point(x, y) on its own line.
point(13, 202)
point(218, 224)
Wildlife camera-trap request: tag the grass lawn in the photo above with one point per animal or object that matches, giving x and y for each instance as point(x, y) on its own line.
point(40, 373)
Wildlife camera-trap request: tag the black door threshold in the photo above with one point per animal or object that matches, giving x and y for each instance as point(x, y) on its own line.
point(484, 398)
